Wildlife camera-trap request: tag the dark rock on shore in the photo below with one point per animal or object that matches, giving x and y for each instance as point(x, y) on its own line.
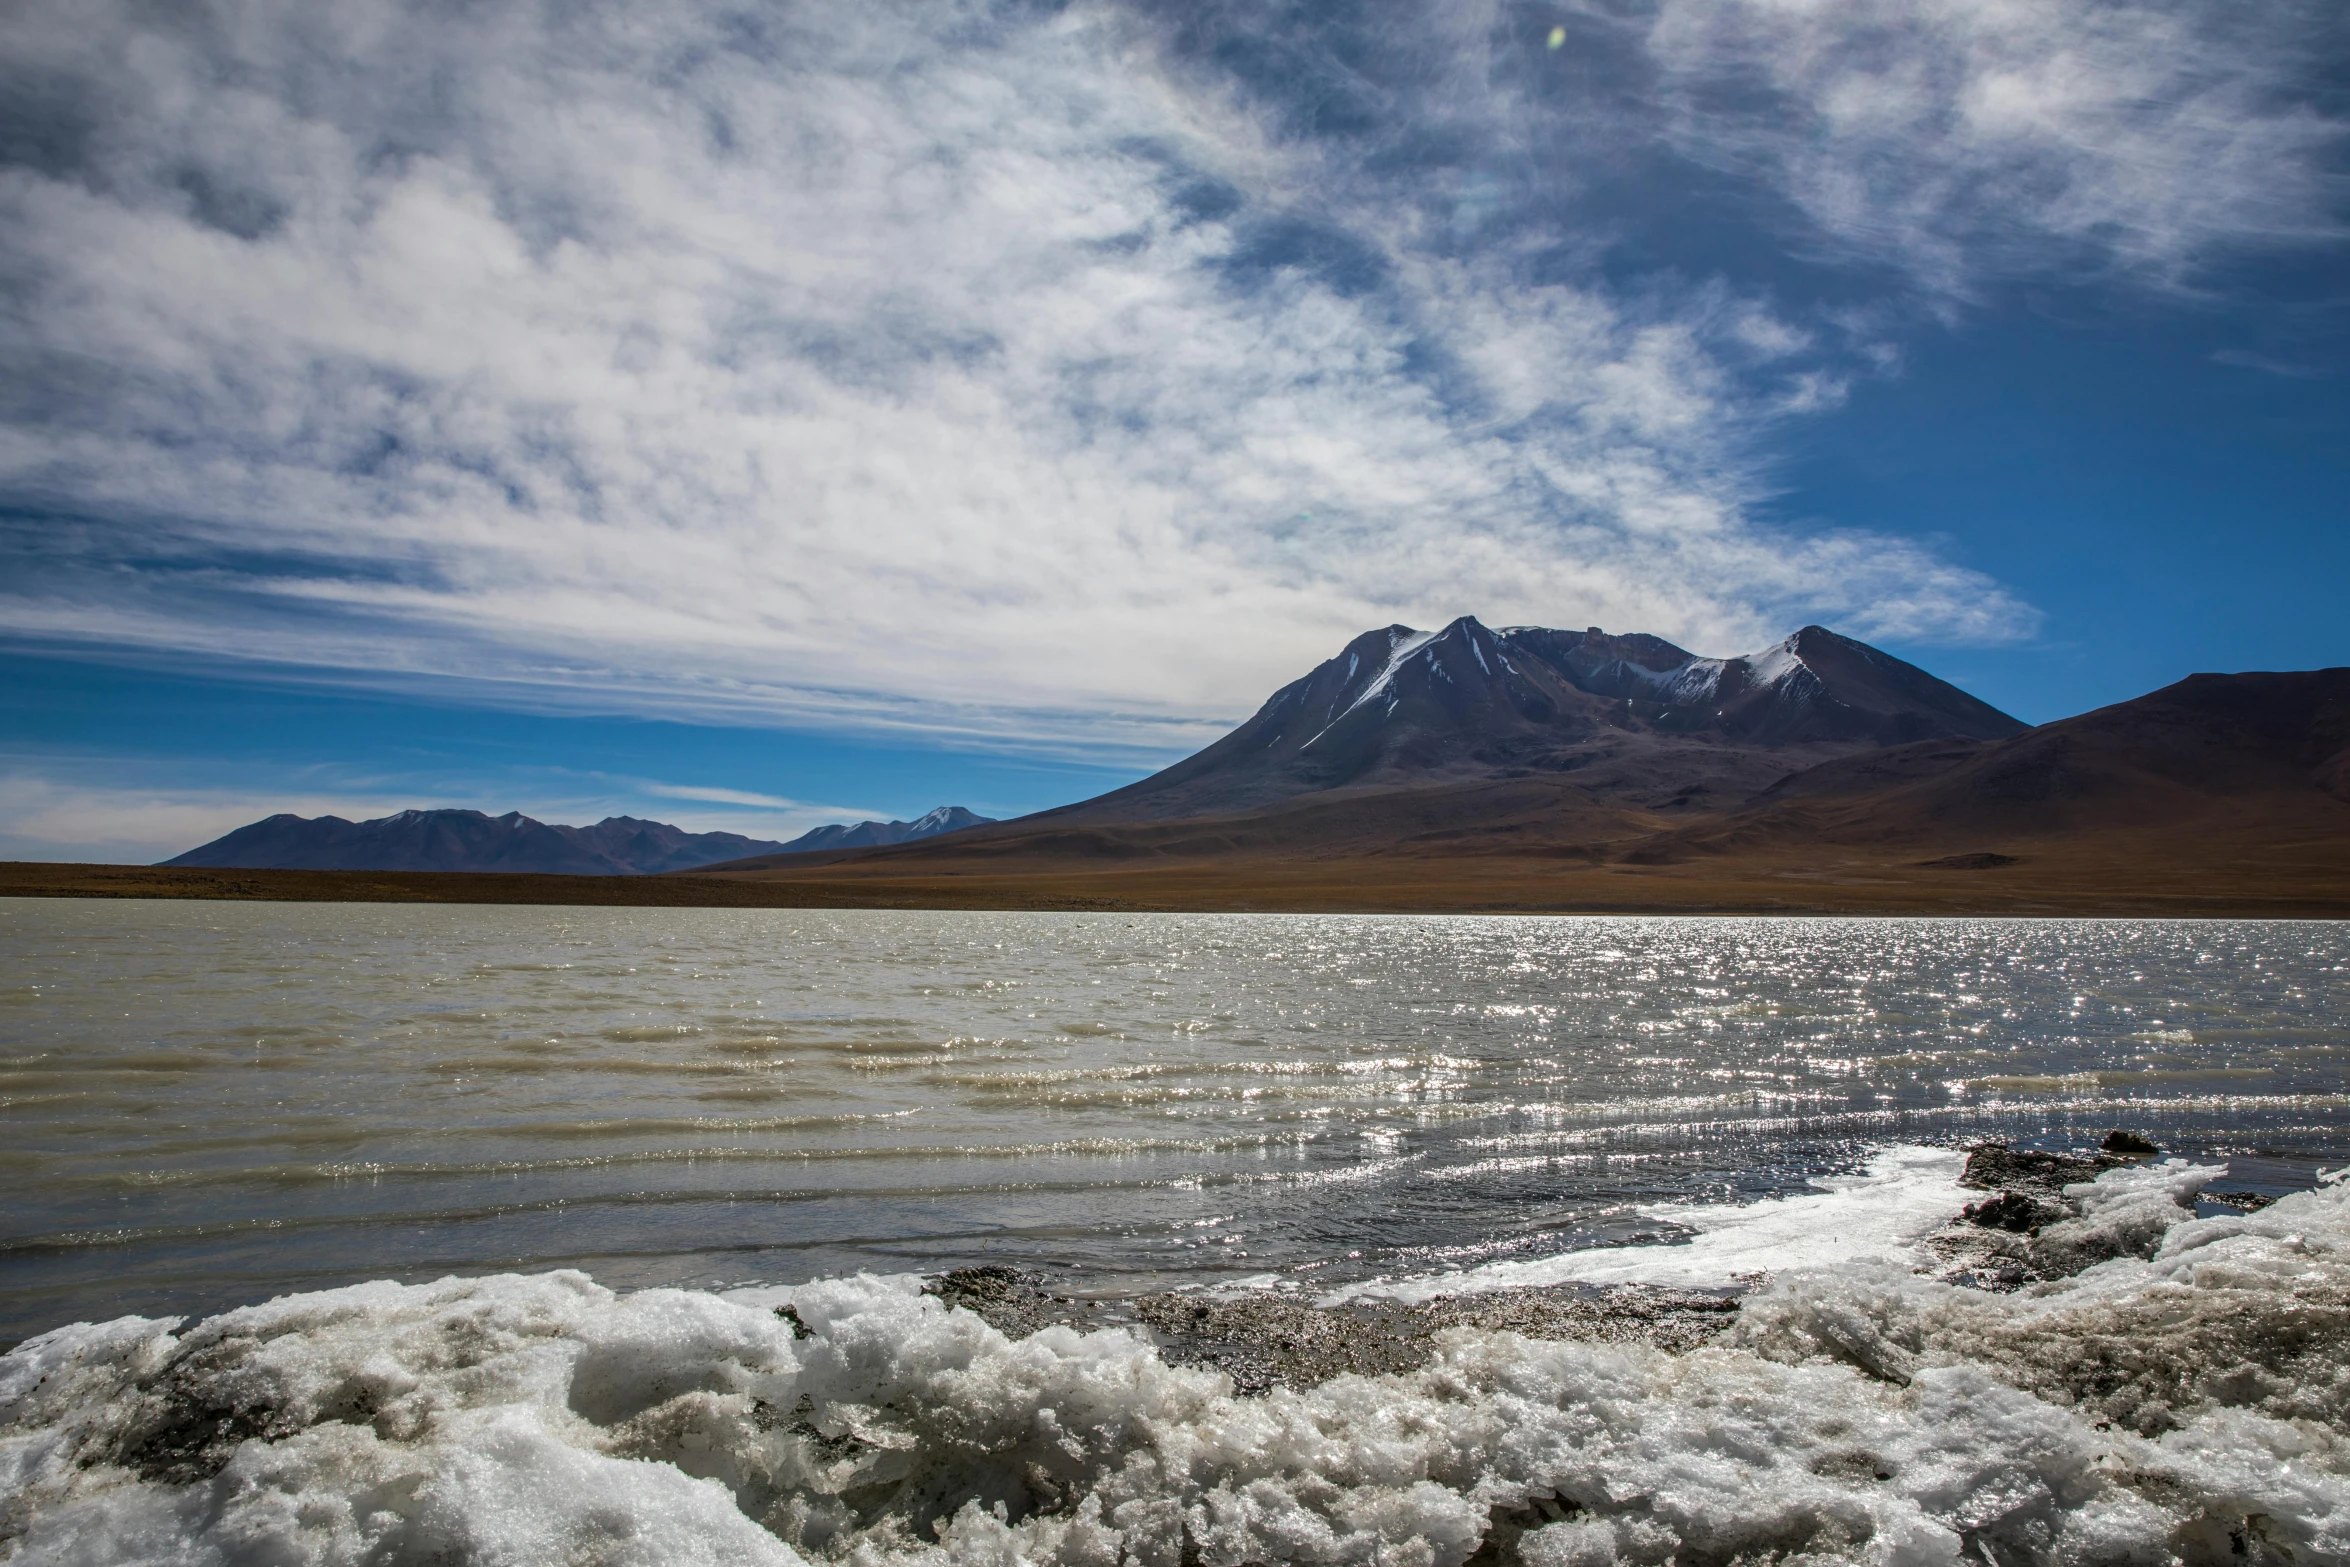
point(2013, 1212)
point(2034, 1229)
point(1997, 1167)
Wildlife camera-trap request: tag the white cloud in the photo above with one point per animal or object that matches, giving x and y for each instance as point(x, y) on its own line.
point(1960, 137)
point(50, 818)
point(882, 366)
point(720, 796)
point(760, 815)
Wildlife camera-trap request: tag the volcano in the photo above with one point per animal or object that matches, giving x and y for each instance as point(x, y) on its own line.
point(1632, 719)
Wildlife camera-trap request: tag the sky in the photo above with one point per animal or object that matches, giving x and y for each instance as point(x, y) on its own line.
point(752, 415)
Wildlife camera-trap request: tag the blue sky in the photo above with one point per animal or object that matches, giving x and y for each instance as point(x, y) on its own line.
point(754, 415)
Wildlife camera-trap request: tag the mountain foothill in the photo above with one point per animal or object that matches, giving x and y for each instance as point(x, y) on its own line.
point(1531, 768)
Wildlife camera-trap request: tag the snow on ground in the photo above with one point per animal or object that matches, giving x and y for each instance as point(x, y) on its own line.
point(2183, 1404)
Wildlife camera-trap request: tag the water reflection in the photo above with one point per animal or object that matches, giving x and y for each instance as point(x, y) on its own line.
point(213, 1103)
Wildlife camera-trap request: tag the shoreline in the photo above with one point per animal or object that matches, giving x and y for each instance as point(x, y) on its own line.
point(2030, 1226)
point(2181, 1401)
point(1273, 1334)
point(1263, 1340)
point(1349, 887)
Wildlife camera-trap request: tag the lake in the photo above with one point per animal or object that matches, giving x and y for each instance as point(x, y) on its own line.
point(213, 1103)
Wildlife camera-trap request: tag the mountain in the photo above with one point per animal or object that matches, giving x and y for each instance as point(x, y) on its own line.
point(1632, 719)
point(874, 835)
point(470, 841)
point(1449, 740)
point(2214, 754)
point(2222, 795)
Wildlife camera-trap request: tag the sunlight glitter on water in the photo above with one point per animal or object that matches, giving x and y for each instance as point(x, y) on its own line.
point(214, 1103)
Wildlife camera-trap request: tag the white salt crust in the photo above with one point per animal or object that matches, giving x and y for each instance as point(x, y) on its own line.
point(1882, 1214)
point(2183, 1407)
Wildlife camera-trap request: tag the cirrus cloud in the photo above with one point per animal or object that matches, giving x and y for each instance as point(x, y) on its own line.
point(1958, 137)
point(1000, 373)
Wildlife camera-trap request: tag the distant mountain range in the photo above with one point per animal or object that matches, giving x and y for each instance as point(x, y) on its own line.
point(874, 835)
point(450, 840)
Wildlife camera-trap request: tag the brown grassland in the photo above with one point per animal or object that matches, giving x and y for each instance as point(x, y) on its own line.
point(2240, 872)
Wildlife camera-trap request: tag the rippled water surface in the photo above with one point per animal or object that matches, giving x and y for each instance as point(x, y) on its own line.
point(212, 1103)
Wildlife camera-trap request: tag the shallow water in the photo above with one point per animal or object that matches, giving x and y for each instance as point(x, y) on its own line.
point(208, 1104)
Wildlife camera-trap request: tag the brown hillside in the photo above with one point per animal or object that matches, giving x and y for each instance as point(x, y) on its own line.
point(2234, 758)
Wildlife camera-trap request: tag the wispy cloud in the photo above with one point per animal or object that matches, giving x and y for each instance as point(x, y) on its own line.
point(2245, 359)
point(724, 796)
point(1963, 138)
point(768, 815)
point(45, 817)
point(1053, 376)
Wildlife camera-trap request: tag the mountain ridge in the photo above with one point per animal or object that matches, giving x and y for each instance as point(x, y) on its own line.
point(873, 835)
point(2221, 794)
point(1635, 718)
point(2207, 750)
point(473, 841)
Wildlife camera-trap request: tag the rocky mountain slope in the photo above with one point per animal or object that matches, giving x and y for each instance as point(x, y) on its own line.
point(1480, 769)
point(2217, 755)
point(1632, 720)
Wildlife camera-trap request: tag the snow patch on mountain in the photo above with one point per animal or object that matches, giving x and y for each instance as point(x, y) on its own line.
point(877, 835)
point(1402, 645)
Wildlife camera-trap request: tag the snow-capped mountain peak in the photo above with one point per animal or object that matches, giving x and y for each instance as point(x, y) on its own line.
point(1399, 705)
